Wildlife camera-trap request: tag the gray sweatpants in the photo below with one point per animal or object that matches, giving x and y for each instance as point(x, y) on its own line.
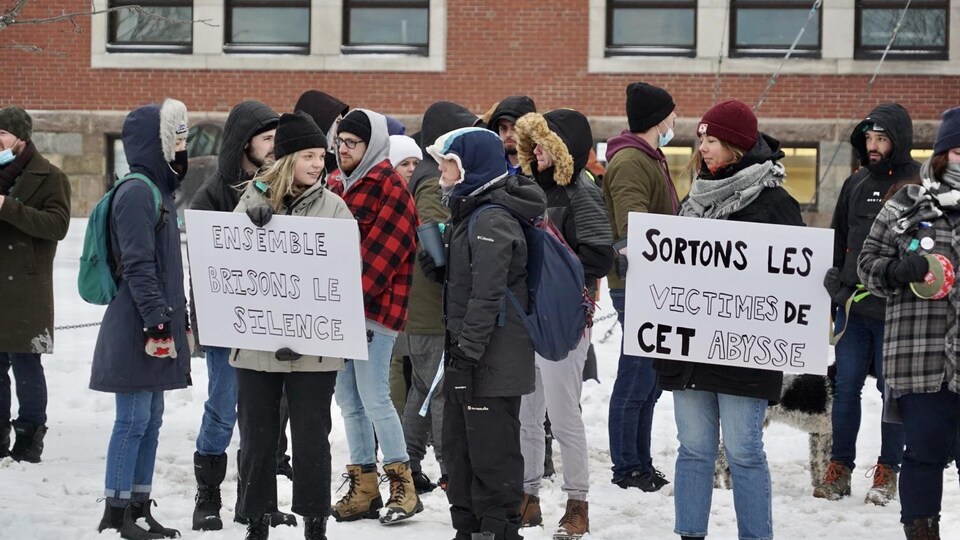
point(559, 385)
point(425, 353)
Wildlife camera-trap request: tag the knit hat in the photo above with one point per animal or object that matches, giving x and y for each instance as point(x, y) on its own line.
point(16, 121)
point(357, 123)
point(732, 122)
point(647, 106)
point(948, 136)
point(297, 132)
point(403, 147)
point(395, 127)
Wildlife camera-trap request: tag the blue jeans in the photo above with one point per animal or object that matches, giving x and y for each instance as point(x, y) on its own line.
point(632, 401)
point(700, 417)
point(133, 447)
point(31, 387)
point(363, 395)
point(861, 345)
point(930, 422)
point(220, 409)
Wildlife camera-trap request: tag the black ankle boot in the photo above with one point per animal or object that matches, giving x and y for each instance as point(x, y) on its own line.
point(4, 439)
point(315, 528)
point(112, 517)
point(29, 443)
point(210, 472)
point(142, 510)
point(129, 530)
point(258, 529)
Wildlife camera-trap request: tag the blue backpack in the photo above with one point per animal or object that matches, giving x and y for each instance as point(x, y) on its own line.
point(560, 307)
point(97, 280)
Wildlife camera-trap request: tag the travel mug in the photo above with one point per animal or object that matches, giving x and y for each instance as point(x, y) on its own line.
point(432, 242)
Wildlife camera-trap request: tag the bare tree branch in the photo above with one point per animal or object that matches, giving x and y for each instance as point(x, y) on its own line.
point(11, 17)
point(31, 48)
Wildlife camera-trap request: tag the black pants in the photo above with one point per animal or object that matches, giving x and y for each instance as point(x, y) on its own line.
point(481, 448)
point(309, 395)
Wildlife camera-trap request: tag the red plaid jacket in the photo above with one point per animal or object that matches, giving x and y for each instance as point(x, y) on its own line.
point(384, 209)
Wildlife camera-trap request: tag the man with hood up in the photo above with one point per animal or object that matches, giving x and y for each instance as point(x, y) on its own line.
point(382, 205)
point(490, 358)
point(882, 142)
point(327, 111)
point(502, 122)
point(424, 330)
point(247, 146)
point(553, 149)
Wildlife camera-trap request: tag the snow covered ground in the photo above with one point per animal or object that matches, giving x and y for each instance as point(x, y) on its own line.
point(57, 499)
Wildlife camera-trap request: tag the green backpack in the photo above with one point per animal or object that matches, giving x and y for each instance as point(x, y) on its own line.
point(97, 281)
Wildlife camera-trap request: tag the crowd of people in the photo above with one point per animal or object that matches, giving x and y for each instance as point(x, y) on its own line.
point(500, 403)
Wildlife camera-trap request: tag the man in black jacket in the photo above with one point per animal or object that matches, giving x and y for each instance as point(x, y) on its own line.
point(882, 141)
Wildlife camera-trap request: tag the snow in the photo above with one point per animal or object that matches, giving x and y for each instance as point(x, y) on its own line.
point(59, 497)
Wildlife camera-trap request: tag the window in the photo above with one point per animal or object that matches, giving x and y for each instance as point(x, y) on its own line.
point(204, 139)
point(281, 26)
point(678, 156)
point(151, 26)
point(651, 27)
point(386, 26)
point(753, 32)
point(802, 164)
point(923, 34)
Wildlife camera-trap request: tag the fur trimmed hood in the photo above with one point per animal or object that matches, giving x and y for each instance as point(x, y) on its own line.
point(566, 136)
point(173, 126)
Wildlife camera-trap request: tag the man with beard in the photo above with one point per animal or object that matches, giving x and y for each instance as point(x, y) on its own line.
point(502, 123)
point(882, 141)
point(247, 146)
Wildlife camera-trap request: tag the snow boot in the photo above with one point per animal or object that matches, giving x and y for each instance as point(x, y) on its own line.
point(530, 515)
point(29, 443)
point(126, 524)
point(923, 529)
point(4, 439)
point(404, 501)
point(362, 500)
point(884, 487)
point(258, 529)
point(142, 510)
point(315, 528)
point(836, 483)
point(210, 472)
point(575, 521)
point(112, 517)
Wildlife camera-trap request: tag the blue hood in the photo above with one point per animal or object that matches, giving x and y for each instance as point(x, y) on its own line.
point(142, 146)
point(479, 153)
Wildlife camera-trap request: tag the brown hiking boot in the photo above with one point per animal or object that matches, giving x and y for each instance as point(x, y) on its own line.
point(530, 511)
point(403, 502)
point(923, 529)
point(363, 497)
point(575, 521)
point(836, 483)
point(884, 485)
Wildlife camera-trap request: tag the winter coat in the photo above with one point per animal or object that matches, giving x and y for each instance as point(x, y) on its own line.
point(862, 194)
point(480, 268)
point(33, 218)
point(317, 201)
point(637, 179)
point(773, 205)
point(150, 290)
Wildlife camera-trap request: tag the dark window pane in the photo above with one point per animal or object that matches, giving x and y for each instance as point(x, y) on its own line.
point(270, 25)
point(649, 27)
point(388, 26)
point(130, 26)
point(754, 28)
point(921, 28)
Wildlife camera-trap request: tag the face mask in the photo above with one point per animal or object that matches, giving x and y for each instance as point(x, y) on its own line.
point(180, 164)
point(6, 156)
point(665, 138)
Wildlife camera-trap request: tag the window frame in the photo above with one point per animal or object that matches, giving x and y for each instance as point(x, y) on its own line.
point(861, 52)
point(231, 47)
point(774, 51)
point(612, 50)
point(170, 47)
point(346, 47)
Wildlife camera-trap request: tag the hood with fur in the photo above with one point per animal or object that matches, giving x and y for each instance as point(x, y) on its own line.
point(149, 139)
point(564, 133)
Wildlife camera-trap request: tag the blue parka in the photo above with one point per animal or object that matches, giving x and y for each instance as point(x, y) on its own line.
point(150, 290)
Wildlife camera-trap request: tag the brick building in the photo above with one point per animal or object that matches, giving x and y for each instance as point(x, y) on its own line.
point(399, 56)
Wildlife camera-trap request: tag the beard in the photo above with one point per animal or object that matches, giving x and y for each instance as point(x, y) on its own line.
point(878, 157)
point(258, 161)
point(511, 150)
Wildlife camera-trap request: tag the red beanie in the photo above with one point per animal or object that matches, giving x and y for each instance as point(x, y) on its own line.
point(732, 122)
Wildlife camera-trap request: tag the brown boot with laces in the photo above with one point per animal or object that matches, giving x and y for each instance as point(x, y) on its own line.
point(884, 487)
point(530, 515)
point(575, 521)
point(363, 497)
point(836, 483)
point(403, 502)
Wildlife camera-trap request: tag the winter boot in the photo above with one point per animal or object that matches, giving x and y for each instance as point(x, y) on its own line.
point(210, 472)
point(530, 515)
point(258, 529)
point(923, 529)
point(575, 521)
point(884, 487)
point(129, 530)
point(404, 501)
point(277, 517)
point(836, 483)
point(29, 443)
point(142, 510)
point(645, 481)
point(363, 497)
point(315, 528)
point(422, 482)
point(112, 517)
point(4, 439)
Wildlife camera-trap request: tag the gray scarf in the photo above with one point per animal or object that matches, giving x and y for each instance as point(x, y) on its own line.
point(931, 199)
point(717, 199)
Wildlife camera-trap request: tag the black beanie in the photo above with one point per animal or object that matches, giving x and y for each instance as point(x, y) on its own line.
point(948, 136)
point(16, 121)
point(647, 106)
point(297, 132)
point(356, 122)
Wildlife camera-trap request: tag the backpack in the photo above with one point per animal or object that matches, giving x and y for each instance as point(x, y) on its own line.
point(560, 307)
point(99, 272)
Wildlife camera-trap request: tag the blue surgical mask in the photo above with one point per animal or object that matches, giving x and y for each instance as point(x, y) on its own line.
point(665, 138)
point(6, 156)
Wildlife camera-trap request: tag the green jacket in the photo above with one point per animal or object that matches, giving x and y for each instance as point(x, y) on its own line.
point(425, 306)
point(33, 218)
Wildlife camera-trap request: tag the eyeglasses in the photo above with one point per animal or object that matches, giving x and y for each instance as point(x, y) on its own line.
point(351, 143)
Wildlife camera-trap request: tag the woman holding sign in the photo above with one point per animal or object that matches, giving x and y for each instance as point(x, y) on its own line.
point(908, 258)
point(293, 185)
point(737, 176)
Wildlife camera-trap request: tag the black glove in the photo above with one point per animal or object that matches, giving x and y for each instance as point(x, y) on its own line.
point(458, 377)
point(260, 215)
point(838, 292)
point(286, 355)
point(907, 270)
point(159, 343)
point(430, 269)
point(620, 264)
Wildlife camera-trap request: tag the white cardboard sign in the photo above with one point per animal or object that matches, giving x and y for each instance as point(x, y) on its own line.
point(728, 293)
point(294, 283)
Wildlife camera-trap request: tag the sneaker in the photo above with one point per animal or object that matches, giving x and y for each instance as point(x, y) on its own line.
point(575, 521)
point(836, 483)
point(645, 481)
point(884, 487)
point(530, 515)
point(422, 483)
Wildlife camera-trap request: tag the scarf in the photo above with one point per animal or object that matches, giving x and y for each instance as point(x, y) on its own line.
point(717, 199)
point(11, 171)
point(931, 200)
